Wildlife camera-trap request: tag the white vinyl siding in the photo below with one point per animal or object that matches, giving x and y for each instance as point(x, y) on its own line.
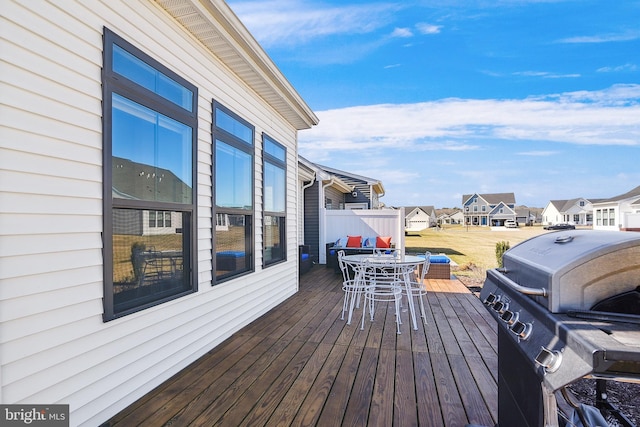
point(55, 346)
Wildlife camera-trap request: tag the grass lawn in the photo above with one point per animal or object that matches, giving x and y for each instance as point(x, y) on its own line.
point(472, 248)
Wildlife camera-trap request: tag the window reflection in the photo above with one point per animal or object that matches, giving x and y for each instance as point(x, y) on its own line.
point(274, 188)
point(148, 260)
point(234, 177)
point(152, 154)
point(233, 126)
point(232, 244)
point(136, 70)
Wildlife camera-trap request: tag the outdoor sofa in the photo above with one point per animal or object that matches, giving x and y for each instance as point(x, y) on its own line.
point(353, 245)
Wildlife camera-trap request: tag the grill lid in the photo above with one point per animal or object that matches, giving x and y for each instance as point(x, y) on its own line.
point(576, 268)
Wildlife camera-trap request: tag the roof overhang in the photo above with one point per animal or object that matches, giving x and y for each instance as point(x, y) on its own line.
point(215, 25)
point(378, 188)
point(335, 182)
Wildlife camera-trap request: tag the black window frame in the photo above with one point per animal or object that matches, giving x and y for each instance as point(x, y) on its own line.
point(281, 216)
point(114, 83)
point(228, 138)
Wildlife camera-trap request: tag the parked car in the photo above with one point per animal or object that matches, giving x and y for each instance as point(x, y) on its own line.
point(510, 223)
point(560, 227)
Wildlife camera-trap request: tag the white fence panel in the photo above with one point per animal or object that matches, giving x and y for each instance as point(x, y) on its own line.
point(365, 223)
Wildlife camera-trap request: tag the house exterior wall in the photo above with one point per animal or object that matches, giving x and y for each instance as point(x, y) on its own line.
point(333, 199)
point(551, 215)
point(457, 218)
point(56, 348)
point(417, 220)
point(619, 215)
point(476, 211)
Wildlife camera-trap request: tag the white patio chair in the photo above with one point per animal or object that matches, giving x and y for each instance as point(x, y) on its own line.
point(383, 283)
point(416, 287)
point(353, 287)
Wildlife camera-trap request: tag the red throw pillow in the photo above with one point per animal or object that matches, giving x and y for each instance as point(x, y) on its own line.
point(383, 242)
point(354, 241)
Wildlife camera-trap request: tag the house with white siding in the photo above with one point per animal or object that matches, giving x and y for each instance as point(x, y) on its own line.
point(149, 190)
point(578, 211)
point(621, 212)
point(450, 216)
point(419, 218)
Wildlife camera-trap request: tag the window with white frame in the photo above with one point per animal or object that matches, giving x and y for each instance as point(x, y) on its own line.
point(149, 147)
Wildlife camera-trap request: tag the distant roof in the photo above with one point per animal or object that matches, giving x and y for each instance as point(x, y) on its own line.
point(493, 198)
point(628, 195)
point(132, 180)
point(427, 209)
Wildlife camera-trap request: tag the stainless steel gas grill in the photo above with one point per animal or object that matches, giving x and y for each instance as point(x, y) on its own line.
point(568, 307)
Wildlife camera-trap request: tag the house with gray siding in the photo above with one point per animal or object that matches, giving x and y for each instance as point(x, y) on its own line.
point(488, 209)
point(328, 189)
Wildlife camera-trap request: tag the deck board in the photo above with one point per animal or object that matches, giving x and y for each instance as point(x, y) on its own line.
point(301, 365)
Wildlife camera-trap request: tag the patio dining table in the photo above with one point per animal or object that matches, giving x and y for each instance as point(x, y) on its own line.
point(407, 264)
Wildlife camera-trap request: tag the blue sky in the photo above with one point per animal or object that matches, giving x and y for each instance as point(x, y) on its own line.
point(440, 98)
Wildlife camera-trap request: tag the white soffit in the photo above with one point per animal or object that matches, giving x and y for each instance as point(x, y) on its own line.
point(215, 25)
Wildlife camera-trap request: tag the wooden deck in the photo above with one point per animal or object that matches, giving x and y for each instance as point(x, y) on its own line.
point(301, 365)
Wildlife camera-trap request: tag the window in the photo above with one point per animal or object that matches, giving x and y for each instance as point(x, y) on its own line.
point(158, 219)
point(274, 201)
point(234, 192)
point(328, 204)
point(149, 147)
point(612, 216)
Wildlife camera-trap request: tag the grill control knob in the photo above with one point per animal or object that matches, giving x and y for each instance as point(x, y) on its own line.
point(500, 306)
point(491, 299)
point(510, 317)
point(521, 329)
point(550, 360)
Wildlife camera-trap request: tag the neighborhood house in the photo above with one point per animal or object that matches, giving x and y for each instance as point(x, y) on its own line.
point(488, 209)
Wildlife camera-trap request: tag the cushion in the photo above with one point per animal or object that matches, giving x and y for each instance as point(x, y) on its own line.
point(340, 242)
point(439, 259)
point(383, 242)
point(230, 254)
point(304, 256)
point(354, 241)
point(369, 242)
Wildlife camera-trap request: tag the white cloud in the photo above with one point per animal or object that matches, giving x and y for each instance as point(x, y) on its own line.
point(289, 22)
point(619, 68)
point(603, 38)
point(402, 32)
point(425, 28)
point(606, 117)
point(545, 74)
